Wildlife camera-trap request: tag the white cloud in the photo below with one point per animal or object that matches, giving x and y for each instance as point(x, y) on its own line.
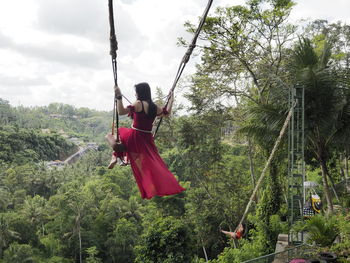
point(58, 50)
point(333, 11)
point(78, 17)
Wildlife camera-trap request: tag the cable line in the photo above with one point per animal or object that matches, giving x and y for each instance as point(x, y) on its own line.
point(185, 59)
point(262, 176)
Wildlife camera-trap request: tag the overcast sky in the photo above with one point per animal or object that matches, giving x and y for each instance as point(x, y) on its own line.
point(58, 50)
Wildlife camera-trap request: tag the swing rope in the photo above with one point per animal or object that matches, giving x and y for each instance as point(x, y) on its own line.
point(185, 59)
point(275, 147)
point(113, 52)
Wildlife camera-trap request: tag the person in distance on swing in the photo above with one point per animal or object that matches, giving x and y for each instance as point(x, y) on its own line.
point(137, 144)
point(236, 234)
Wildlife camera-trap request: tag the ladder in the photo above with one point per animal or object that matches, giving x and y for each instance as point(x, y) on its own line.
point(296, 164)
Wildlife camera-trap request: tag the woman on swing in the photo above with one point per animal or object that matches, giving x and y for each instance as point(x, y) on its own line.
point(237, 234)
point(137, 144)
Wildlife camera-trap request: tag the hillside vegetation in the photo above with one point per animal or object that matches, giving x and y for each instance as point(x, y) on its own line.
point(251, 59)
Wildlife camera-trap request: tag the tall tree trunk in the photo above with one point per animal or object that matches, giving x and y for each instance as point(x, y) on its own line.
point(205, 254)
point(346, 172)
point(275, 189)
point(251, 166)
point(333, 187)
point(324, 171)
point(80, 246)
point(346, 168)
point(79, 237)
point(341, 166)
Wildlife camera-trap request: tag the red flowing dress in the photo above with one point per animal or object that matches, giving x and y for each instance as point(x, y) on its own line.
point(151, 173)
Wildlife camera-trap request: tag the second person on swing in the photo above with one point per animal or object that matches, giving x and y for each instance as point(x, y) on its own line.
point(137, 144)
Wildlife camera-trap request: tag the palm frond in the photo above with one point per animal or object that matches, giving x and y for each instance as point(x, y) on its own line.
point(305, 55)
point(263, 123)
point(326, 55)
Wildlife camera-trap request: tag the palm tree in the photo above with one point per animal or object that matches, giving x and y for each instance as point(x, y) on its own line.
point(18, 253)
point(6, 234)
point(321, 230)
point(327, 103)
point(263, 123)
point(4, 198)
point(34, 210)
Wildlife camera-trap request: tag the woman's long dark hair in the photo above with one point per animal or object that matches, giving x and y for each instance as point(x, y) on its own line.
point(143, 92)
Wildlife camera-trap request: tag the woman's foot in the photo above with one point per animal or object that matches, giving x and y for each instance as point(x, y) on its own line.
point(123, 161)
point(117, 146)
point(113, 162)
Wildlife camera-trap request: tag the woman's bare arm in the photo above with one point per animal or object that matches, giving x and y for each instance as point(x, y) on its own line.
point(119, 98)
point(160, 112)
point(122, 110)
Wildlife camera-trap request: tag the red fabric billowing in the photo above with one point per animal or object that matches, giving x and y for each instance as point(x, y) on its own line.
point(151, 173)
point(238, 234)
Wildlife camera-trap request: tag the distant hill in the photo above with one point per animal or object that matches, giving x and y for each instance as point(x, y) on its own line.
point(62, 118)
point(46, 133)
point(18, 145)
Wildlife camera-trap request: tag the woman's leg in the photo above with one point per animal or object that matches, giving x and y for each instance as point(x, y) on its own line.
point(113, 161)
point(116, 146)
point(231, 234)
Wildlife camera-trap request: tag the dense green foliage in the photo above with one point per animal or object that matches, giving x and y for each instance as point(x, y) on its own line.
point(82, 122)
point(20, 145)
point(250, 59)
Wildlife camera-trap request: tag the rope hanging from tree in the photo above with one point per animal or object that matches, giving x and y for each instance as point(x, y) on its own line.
point(185, 59)
point(278, 141)
point(113, 53)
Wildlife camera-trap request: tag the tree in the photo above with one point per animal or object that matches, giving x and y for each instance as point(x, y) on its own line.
point(34, 209)
point(4, 198)
point(92, 252)
point(7, 114)
point(168, 240)
point(243, 59)
point(327, 103)
point(321, 229)
point(6, 234)
point(19, 253)
point(69, 210)
point(122, 240)
point(77, 205)
point(52, 245)
point(243, 48)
